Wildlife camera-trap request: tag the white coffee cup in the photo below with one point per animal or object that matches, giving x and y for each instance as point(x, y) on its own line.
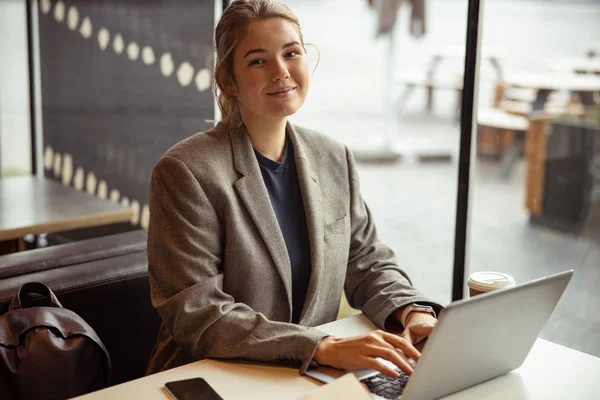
point(486, 281)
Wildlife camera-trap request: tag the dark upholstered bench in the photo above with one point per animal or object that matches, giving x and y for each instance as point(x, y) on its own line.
point(105, 281)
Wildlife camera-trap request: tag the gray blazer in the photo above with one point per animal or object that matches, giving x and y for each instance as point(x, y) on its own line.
point(219, 269)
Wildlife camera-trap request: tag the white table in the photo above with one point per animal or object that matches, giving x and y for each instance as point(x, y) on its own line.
point(546, 82)
point(549, 372)
point(576, 65)
point(490, 54)
point(553, 81)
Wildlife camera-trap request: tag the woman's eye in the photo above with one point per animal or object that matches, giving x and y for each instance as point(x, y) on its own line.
point(257, 61)
point(292, 54)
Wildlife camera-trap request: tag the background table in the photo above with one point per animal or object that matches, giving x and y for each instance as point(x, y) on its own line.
point(576, 65)
point(492, 55)
point(33, 205)
point(545, 83)
point(549, 372)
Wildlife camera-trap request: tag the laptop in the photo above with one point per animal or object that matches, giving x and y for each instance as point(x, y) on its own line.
point(475, 339)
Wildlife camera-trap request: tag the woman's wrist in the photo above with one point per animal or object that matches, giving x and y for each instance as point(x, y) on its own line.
point(321, 353)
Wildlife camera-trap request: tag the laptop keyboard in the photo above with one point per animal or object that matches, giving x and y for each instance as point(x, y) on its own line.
point(385, 386)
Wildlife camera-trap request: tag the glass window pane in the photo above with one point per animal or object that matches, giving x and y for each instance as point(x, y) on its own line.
point(393, 98)
point(536, 200)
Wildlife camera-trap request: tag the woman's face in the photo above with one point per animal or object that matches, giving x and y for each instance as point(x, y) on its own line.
point(271, 70)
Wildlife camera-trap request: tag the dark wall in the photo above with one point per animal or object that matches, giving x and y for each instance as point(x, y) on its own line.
point(112, 114)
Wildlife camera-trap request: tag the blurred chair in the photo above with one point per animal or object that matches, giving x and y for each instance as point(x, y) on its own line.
point(421, 79)
point(502, 129)
point(497, 131)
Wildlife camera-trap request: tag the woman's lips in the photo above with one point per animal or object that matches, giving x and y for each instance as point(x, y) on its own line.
point(283, 92)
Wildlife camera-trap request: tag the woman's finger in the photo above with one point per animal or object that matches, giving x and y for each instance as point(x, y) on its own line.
point(402, 344)
point(391, 354)
point(406, 334)
point(398, 359)
point(384, 369)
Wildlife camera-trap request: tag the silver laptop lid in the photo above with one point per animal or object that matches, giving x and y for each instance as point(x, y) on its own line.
point(483, 337)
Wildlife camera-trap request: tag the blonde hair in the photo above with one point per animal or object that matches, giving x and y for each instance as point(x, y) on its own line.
point(231, 27)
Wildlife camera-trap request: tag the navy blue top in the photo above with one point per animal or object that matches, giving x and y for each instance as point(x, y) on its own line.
point(281, 180)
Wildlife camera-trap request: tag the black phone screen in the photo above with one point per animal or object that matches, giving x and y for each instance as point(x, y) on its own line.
point(192, 389)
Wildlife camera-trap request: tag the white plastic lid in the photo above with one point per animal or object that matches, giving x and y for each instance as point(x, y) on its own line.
point(486, 281)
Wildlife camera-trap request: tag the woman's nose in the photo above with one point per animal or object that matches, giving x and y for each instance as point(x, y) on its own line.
point(280, 71)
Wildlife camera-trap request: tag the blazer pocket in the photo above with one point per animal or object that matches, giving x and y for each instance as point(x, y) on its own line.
point(336, 228)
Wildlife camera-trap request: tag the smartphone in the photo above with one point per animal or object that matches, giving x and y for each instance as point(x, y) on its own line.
point(192, 389)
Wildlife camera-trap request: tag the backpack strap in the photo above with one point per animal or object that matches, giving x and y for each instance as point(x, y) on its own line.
point(29, 291)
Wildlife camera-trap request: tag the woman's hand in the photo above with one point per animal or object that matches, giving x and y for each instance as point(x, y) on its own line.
point(418, 326)
point(362, 351)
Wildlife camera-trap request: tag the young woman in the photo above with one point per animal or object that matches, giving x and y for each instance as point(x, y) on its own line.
point(257, 225)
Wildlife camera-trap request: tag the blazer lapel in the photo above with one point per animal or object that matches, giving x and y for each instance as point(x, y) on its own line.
point(311, 197)
point(253, 192)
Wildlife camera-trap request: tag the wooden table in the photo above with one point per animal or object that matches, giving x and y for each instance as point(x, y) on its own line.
point(33, 205)
point(550, 371)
